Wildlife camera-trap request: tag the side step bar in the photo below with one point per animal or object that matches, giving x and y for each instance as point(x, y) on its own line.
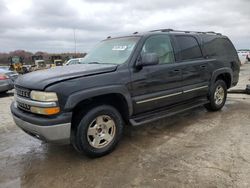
point(163, 113)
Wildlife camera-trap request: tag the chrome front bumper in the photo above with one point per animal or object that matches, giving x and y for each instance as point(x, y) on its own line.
point(59, 133)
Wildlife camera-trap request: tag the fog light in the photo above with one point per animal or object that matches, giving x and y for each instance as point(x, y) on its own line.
point(45, 111)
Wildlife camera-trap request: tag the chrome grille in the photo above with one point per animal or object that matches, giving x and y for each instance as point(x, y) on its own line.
point(23, 106)
point(22, 92)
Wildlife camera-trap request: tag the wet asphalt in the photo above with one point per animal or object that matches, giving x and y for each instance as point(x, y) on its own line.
point(193, 149)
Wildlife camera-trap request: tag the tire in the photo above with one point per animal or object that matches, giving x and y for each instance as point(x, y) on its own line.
point(248, 89)
point(248, 58)
point(99, 131)
point(218, 96)
point(3, 92)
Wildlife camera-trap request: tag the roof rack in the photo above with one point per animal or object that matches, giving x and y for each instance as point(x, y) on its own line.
point(162, 30)
point(179, 31)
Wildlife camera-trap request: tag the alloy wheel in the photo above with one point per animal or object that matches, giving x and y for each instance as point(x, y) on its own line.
point(219, 95)
point(101, 131)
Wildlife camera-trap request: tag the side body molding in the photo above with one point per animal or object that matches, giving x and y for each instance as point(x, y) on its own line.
point(77, 97)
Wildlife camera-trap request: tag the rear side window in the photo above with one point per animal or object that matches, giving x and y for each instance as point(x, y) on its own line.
point(218, 47)
point(188, 48)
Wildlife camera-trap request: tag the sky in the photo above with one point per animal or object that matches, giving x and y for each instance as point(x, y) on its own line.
point(49, 25)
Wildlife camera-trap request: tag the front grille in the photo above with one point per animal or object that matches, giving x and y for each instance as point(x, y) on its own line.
point(23, 106)
point(22, 92)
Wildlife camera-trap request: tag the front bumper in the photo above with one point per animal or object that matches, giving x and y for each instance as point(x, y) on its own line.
point(55, 131)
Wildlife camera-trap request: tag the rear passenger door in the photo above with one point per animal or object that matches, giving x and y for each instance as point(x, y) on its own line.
point(194, 66)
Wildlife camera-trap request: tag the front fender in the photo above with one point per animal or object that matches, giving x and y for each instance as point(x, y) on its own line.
point(79, 96)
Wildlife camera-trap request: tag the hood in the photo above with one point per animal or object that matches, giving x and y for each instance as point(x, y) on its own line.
point(40, 79)
point(4, 71)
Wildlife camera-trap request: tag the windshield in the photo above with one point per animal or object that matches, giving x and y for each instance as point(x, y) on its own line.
point(73, 62)
point(41, 64)
point(113, 51)
point(15, 59)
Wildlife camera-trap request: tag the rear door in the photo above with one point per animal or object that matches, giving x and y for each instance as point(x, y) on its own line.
point(157, 85)
point(194, 66)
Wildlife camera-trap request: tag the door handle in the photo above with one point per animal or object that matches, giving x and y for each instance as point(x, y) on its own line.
point(203, 66)
point(176, 70)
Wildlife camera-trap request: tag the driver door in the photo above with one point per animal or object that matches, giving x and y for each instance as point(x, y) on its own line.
point(158, 85)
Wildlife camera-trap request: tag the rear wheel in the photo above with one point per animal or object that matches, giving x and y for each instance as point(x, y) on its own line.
point(218, 95)
point(99, 131)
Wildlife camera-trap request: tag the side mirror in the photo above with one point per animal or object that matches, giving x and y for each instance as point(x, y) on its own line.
point(148, 59)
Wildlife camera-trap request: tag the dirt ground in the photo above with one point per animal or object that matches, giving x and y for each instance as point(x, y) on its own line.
point(193, 149)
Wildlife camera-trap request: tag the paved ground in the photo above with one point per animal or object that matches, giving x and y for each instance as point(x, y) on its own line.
point(194, 149)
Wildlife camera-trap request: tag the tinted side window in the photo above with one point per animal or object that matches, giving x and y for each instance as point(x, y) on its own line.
point(161, 45)
point(218, 47)
point(189, 48)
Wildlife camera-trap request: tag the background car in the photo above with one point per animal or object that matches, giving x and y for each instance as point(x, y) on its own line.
point(248, 57)
point(244, 56)
point(7, 79)
point(74, 61)
point(5, 67)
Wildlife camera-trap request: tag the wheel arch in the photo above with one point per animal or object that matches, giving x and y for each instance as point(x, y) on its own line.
point(117, 96)
point(224, 74)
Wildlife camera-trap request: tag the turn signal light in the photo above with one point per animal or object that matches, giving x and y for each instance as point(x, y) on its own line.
point(45, 111)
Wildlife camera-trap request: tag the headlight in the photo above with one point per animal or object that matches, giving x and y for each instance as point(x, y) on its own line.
point(43, 96)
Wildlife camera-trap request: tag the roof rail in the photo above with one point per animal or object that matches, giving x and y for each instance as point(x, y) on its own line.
point(179, 31)
point(210, 32)
point(162, 30)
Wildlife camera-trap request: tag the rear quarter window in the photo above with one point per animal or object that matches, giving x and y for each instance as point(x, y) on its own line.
point(218, 47)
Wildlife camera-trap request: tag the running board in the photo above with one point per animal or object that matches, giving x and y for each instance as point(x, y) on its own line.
point(163, 113)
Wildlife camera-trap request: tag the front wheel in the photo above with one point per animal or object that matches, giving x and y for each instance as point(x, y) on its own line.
point(3, 92)
point(218, 96)
point(99, 131)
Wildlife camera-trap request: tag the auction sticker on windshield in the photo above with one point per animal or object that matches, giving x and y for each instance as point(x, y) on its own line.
point(119, 48)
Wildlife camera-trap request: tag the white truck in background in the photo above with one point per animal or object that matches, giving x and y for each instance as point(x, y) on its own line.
point(244, 56)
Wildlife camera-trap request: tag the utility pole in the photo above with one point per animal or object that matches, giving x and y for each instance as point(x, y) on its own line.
point(75, 40)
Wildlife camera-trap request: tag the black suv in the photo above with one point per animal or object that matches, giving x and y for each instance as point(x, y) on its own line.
point(133, 80)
